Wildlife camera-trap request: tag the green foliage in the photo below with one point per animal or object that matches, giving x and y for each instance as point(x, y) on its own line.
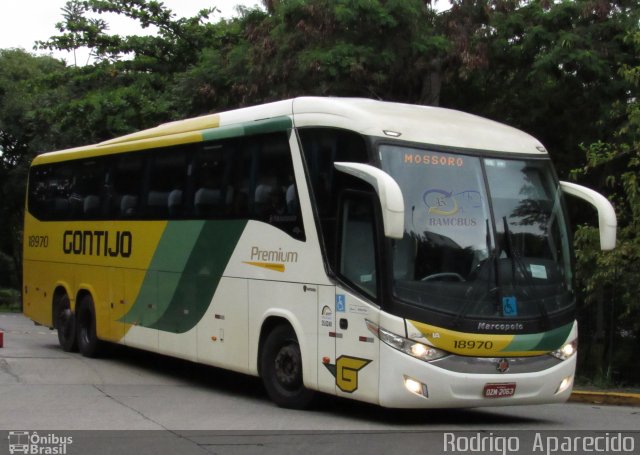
point(549, 68)
point(176, 44)
point(610, 281)
point(26, 90)
point(319, 47)
point(9, 300)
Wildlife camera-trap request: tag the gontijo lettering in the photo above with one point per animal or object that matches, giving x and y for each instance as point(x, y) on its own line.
point(98, 243)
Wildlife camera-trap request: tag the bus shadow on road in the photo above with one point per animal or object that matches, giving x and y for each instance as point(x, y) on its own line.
point(249, 387)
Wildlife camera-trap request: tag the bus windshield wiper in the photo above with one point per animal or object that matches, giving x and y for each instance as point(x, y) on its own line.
point(492, 262)
point(516, 261)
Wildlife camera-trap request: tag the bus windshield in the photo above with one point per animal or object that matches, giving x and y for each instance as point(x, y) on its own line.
point(484, 237)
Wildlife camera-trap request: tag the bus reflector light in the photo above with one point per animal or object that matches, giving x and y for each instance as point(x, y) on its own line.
point(416, 387)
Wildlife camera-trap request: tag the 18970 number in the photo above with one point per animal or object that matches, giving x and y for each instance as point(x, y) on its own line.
point(38, 241)
point(472, 344)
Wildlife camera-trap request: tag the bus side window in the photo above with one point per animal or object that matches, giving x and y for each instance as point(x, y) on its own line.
point(321, 148)
point(49, 191)
point(125, 184)
point(357, 243)
point(86, 190)
point(275, 199)
point(211, 175)
point(167, 184)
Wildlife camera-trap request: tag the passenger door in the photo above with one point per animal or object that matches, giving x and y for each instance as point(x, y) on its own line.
point(357, 350)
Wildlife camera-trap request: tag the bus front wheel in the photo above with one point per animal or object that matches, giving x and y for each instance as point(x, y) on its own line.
point(88, 342)
point(281, 369)
point(65, 323)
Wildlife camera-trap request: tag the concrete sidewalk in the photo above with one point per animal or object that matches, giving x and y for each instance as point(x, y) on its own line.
point(605, 397)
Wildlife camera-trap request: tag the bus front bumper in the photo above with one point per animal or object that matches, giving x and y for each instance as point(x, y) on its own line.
point(406, 382)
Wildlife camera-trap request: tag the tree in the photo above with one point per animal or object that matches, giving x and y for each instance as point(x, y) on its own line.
point(372, 48)
point(25, 90)
point(549, 68)
point(175, 45)
point(610, 282)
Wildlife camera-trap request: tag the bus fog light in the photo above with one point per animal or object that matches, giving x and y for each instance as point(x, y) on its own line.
point(416, 387)
point(565, 384)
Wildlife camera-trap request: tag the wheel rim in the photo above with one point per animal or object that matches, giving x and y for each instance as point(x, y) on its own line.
point(288, 367)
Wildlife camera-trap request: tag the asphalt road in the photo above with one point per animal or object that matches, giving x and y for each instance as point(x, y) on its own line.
point(201, 409)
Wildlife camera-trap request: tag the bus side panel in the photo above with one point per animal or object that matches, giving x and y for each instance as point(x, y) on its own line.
point(357, 349)
point(327, 324)
point(40, 282)
point(95, 281)
point(294, 302)
point(222, 333)
point(179, 343)
point(139, 335)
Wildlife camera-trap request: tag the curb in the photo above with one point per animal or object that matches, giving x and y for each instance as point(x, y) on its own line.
point(614, 398)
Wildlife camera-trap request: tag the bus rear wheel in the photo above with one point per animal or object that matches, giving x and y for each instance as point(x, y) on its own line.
point(281, 369)
point(65, 323)
point(88, 343)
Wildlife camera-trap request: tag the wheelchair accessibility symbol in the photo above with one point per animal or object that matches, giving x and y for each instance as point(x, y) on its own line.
point(509, 306)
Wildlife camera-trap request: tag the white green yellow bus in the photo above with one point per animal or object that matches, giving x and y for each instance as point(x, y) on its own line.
point(402, 255)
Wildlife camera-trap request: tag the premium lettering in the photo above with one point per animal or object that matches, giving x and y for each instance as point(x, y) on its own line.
point(273, 255)
point(98, 243)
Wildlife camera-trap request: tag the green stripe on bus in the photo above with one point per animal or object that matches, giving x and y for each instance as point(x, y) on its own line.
point(270, 125)
point(161, 280)
point(201, 275)
point(184, 274)
point(554, 339)
point(545, 341)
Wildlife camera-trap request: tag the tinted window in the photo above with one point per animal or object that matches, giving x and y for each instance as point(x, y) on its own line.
point(241, 178)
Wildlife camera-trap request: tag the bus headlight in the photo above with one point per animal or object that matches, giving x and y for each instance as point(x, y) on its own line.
point(567, 350)
point(413, 348)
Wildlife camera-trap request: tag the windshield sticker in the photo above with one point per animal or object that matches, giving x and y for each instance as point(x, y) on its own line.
point(538, 271)
point(509, 306)
point(433, 160)
point(448, 208)
point(448, 203)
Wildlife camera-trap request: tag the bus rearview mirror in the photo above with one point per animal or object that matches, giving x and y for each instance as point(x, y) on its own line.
point(389, 194)
point(607, 221)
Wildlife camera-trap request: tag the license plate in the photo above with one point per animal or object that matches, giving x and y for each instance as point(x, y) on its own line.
point(499, 390)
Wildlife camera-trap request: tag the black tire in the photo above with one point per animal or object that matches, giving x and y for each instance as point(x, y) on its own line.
point(88, 343)
point(65, 322)
point(281, 369)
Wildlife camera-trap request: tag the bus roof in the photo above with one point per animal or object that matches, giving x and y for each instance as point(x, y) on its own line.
point(412, 123)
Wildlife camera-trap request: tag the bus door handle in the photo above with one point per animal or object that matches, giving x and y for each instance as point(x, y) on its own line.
point(344, 323)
